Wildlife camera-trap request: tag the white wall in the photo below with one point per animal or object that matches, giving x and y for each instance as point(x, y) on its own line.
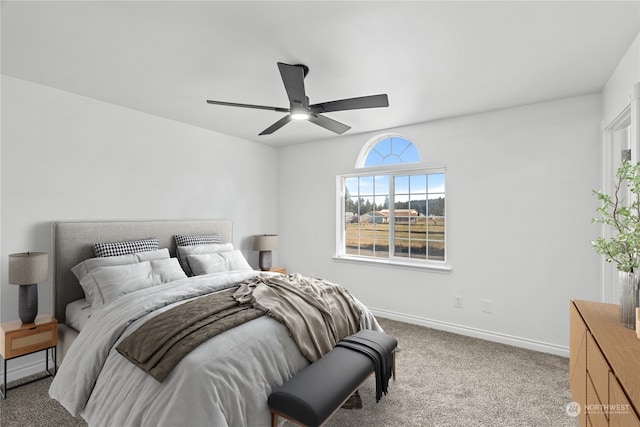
point(67, 157)
point(519, 209)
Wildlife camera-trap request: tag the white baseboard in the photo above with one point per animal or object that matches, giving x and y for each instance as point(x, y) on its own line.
point(475, 332)
point(17, 370)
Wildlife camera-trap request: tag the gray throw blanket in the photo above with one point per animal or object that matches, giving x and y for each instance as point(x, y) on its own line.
point(318, 313)
point(162, 342)
point(379, 348)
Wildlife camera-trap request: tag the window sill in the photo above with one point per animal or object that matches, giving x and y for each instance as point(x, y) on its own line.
point(394, 263)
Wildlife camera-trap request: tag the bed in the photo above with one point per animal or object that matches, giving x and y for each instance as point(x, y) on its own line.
point(223, 382)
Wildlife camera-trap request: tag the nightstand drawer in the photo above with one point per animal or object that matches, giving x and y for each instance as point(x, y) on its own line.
point(24, 342)
point(17, 339)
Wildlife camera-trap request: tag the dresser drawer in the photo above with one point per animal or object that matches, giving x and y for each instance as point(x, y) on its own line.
point(598, 370)
point(621, 413)
point(595, 409)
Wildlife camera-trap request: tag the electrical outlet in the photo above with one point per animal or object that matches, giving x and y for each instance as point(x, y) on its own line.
point(487, 306)
point(457, 301)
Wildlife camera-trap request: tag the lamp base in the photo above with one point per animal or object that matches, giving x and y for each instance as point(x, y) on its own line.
point(264, 260)
point(28, 303)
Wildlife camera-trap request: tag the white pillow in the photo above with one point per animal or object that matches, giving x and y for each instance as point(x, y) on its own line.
point(212, 248)
point(82, 269)
point(166, 270)
point(217, 262)
point(116, 280)
point(107, 283)
point(236, 261)
point(206, 263)
point(91, 290)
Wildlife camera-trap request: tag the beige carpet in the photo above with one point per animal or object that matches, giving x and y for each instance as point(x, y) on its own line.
point(443, 380)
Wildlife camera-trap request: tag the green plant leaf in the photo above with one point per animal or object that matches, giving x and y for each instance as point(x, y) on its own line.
point(622, 214)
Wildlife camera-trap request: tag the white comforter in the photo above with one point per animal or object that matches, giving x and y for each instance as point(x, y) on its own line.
point(224, 382)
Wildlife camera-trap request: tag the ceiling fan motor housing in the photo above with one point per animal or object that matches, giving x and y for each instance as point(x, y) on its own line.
point(305, 69)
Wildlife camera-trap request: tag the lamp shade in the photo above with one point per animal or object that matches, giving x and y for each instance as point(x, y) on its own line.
point(28, 268)
point(265, 242)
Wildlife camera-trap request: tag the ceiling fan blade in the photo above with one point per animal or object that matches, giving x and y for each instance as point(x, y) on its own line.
point(371, 101)
point(293, 79)
point(327, 123)
point(259, 107)
point(277, 125)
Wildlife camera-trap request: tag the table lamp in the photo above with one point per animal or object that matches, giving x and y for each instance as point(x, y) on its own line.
point(27, 269)
point(265, 243)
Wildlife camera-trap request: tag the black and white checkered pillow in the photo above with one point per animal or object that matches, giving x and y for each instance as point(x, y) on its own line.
point(184, 240)
point(125, 248)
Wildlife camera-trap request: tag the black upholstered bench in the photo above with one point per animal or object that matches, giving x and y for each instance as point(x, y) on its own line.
point(320, 389)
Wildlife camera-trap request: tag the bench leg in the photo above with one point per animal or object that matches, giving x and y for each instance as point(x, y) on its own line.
point(274, 419)
point(393, 364)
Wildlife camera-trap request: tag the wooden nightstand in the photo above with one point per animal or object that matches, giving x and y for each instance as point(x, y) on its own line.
point(18, 339)
point(281, 270)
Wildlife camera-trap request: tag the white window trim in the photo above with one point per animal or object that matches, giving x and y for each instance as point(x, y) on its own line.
point(420, 265)
point(394, 261)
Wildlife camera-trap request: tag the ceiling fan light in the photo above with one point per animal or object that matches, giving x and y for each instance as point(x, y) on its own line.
point(299, 110)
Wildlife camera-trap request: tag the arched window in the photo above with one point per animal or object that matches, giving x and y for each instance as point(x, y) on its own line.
point(392, 150)
point(387, 150)
point(391, 213)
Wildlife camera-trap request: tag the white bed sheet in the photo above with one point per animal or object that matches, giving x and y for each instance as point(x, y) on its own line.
point(224, 382)
point(78, 314)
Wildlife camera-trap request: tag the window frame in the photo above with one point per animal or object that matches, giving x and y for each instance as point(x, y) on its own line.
point(392, 171)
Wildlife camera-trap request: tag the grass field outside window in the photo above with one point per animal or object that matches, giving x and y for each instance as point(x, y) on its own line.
point(397, 215)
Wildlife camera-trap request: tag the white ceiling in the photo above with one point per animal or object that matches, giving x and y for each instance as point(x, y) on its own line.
point(433, 59)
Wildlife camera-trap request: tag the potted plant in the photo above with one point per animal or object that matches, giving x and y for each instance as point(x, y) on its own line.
point(621, 212)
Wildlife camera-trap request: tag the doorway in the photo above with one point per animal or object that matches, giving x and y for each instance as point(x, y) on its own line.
point(621, 141)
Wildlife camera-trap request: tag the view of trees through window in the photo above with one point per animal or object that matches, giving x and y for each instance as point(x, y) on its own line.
point(412, 226)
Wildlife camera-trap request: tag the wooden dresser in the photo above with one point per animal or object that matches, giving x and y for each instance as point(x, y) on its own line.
point(604, 366)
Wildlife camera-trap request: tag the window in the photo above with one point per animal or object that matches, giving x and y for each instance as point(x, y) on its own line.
point(397, 215)
point(390, 150)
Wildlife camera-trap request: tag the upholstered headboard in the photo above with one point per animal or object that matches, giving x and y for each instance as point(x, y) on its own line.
point(73, 242)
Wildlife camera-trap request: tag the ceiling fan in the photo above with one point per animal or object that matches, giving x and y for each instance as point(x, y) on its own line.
point(299, 108)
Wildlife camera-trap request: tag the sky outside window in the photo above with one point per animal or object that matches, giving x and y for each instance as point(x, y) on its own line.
point(392, 150)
